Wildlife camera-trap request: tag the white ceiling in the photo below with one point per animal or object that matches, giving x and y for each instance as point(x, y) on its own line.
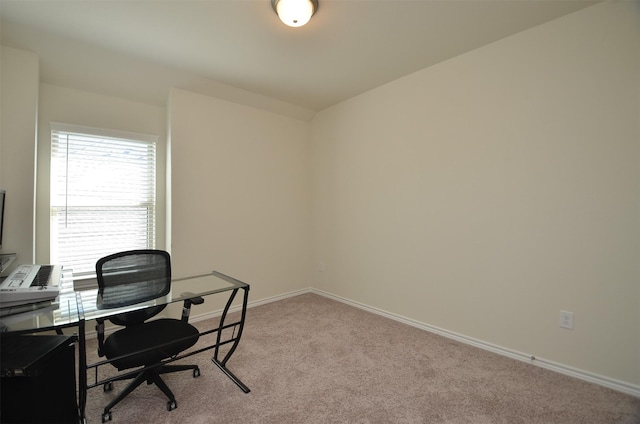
point(239, 48)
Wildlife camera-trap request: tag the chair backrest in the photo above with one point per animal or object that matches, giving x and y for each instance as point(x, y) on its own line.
point(131, 277)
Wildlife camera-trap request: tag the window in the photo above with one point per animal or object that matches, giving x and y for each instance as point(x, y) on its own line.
point(103, 195)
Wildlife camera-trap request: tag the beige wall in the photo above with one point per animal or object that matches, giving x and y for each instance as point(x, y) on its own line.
point(240, 193)
point(19, 103)
point(485, 194)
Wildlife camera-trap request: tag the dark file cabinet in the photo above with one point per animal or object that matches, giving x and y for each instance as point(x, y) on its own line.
point(38, 380)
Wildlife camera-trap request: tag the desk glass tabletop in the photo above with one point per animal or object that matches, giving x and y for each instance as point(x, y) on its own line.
point(182, 288)
point(72, 306)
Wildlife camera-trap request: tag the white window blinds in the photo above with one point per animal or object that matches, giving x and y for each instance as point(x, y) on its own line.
point(103, 186)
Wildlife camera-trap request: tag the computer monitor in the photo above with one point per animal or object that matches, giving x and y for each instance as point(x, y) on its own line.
point(3, 194)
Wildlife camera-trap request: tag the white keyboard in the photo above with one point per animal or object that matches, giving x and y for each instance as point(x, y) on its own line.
point(30, 284)
point(21, 277)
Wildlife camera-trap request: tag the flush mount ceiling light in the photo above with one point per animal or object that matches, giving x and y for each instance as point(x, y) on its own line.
point(295, 13)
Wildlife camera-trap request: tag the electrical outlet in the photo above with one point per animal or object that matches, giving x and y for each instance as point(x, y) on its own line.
point(566, 320)
point(321, 266)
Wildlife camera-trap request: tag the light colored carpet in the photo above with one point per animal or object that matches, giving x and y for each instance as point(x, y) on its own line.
point(309, 359)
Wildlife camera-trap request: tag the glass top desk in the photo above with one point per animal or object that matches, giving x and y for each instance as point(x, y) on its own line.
point(76, 307)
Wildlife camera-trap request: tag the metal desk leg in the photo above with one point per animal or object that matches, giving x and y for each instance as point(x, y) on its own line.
point(82, 371)
point(222, 364)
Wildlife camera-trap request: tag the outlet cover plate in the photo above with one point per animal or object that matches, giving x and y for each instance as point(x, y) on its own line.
point(566, 320)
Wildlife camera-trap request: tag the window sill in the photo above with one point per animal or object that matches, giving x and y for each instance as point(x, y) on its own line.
point(85, 283)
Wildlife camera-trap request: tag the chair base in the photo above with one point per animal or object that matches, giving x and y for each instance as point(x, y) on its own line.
point(151, 376)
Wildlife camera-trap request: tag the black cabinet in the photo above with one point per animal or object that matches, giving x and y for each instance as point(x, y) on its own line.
point(38, 380)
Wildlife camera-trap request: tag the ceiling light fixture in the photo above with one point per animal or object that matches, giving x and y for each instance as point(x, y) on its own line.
point(295, 13)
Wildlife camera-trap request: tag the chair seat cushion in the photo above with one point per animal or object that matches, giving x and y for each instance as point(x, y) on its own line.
point(178, 335)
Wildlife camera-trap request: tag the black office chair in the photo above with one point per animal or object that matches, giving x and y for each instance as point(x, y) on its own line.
point(129, 278)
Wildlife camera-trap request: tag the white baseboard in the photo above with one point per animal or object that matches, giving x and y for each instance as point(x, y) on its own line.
point(621, 386)
point(251, 304)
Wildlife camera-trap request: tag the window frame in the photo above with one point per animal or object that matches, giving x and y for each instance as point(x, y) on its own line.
point(106, 134)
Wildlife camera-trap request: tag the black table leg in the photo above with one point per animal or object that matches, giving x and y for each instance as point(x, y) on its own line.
point(223, 364)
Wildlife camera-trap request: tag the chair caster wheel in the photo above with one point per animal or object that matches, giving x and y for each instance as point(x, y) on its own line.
point(106, 417)
point(196, 373)
point(107, 387)
point(171, 405)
